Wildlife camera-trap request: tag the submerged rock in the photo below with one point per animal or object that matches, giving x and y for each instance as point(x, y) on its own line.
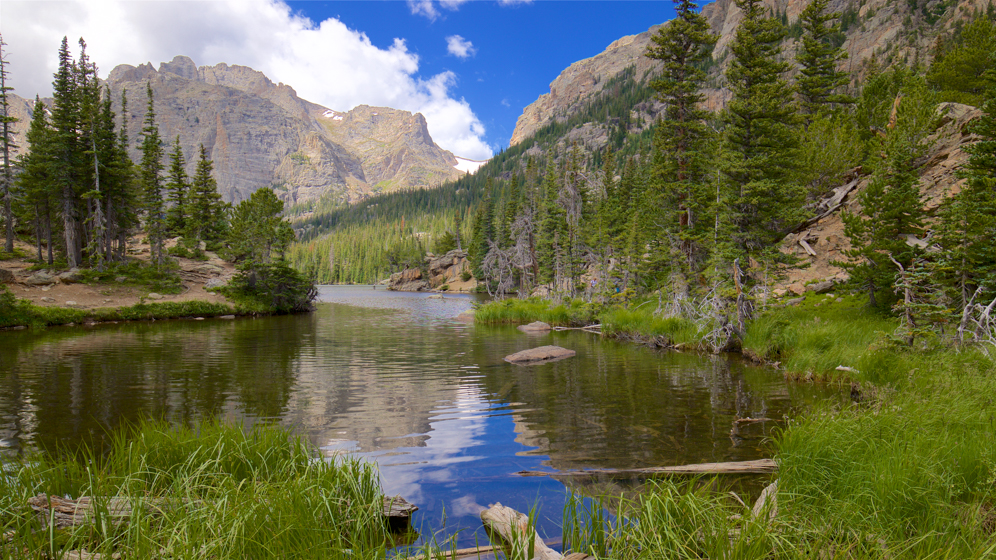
point(535, 326)
point(540, 355)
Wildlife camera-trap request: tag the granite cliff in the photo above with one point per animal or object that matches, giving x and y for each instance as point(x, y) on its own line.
point(883, 31)
point(261, 134)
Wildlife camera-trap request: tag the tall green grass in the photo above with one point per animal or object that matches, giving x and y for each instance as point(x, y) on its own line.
point(216, 491)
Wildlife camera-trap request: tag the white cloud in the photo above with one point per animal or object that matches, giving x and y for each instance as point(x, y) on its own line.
point(460, 47)
point(423, 8)
point(327, 63)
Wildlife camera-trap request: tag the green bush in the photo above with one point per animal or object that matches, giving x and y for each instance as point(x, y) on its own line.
point(276, 287)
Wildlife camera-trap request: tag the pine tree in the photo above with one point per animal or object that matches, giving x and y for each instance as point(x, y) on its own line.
point(760, 199)
point(35, 180)
point(960, 72)
point(968, 219)
point(680, 138)
point(150, 177)
point(891, 205)
point(205, 219)
point(553, 227)
point(66, 175)
point(177, 191)
point(818, 75)
point(7, 138)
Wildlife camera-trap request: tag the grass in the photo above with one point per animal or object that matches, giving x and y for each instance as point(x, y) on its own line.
point(21, 312)
point(907, 471)
point(222, 492)
point(637, 320)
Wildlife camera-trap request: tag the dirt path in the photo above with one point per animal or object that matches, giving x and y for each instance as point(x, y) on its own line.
point(194, 276)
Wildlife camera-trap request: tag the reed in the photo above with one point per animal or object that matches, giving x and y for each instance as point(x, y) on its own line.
point(218, 491)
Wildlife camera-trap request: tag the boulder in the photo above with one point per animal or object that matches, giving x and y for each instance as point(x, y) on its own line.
point(540, 355)
point(209, 269)
point(71, 303)
point(6, 276)
point(47, 299)
point(535, 327)
point(154, 295)
point(466, 317)
point(41, 278)
point(822, 287)
point(71, 276)
point(227, 317)
point(217, 282)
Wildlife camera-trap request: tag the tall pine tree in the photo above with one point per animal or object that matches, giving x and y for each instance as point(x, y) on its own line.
point(759, 196)
point(177, 191)
point(818, 77)
point(150, 175)
point(8, 146)
point(682, 135)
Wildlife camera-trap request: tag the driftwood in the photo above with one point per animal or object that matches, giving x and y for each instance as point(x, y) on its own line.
point(760, 466)
point(65, 513)
point(512, 532)
point(805, 245)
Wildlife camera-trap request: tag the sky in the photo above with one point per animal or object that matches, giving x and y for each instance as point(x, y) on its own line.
point(469, 66)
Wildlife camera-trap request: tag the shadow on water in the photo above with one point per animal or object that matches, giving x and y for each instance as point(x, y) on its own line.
point(393, 378)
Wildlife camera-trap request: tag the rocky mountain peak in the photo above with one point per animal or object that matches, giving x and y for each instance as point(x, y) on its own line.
point(260, 134)
point(182, 66)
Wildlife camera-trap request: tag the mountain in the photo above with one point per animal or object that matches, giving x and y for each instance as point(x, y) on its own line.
point(260, 134)
point(874, 33)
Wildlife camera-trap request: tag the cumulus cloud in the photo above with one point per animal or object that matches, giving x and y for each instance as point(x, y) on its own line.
point(460, 47)
point(326, 63)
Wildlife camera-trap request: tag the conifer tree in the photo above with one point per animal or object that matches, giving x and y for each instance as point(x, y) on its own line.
point(37, 170)
point(205, 220)
point(960, 71)
point(553, 226)
point(818, 75)
point(891, 205)
point(150, 176)
point(177, 191)
point(759, 196)
point(65, 175)
point(967, 226)
point(7, 139)
point(681, 136)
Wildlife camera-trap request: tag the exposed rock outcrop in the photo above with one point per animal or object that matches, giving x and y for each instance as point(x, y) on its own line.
point(446, 270)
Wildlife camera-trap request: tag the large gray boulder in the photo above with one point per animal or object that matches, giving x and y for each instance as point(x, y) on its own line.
point(41, 278)
point(540, 355)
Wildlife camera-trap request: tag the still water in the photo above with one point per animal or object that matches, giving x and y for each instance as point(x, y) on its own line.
point(393, 378)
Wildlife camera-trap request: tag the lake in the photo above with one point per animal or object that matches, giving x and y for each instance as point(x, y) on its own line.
point(394, 378)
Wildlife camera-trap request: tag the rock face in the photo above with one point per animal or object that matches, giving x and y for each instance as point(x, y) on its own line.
point(446, 270)
point(260, 134)
point(540, 355)
point(885, 31)
point(408, 280)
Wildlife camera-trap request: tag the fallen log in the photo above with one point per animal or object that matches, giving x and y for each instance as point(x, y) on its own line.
point(64, 513)
point(760, 466)
point(514, 535)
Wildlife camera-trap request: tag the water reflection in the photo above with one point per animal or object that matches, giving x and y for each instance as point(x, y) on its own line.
point(393, 378)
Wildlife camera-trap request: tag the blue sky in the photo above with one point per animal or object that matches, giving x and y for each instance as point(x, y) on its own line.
point(469, 66)
point(520, 48)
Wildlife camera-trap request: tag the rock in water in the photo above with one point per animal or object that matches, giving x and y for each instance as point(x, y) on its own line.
point(535, 326)
point(540, 355)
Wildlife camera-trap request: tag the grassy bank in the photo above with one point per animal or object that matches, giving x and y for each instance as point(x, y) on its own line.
point(907, 470)
point(218, 492)
point(23, 313)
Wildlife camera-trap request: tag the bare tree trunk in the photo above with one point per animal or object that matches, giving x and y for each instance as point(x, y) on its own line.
point(73, 253)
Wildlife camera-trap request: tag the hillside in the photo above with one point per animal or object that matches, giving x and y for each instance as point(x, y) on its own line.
point(260, 134)
point(883, 31)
